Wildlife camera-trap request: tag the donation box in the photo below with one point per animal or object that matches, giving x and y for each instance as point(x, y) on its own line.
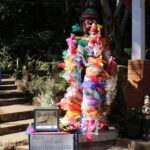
point(53, 141)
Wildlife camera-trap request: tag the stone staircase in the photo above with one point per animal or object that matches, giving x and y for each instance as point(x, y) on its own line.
point(16, 113)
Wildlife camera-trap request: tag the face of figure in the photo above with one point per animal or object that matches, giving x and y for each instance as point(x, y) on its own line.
point(147, 104)
point(146, 101)
point(87, 23)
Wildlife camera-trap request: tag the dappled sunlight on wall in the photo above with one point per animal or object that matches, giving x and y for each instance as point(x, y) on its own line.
point(138, 82)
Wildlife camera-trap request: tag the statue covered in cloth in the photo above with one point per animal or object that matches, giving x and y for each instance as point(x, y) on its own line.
point(88, 67)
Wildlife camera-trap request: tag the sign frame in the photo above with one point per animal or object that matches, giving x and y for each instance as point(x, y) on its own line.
point(49, 119)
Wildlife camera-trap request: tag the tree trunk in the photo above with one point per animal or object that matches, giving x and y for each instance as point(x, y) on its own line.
point(114, 24)
point(106, 8)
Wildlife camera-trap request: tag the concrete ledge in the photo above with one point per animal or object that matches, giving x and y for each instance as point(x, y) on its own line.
point(99, 145)
point(102, 141)
point(108, 135)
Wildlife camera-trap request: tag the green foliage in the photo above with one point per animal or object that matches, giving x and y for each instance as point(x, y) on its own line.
point(35, 25)
point(38, 43)
point(45, 89)
point(18, 73)
point(6, 61)
point(46, 82)
point(39, 25)
point(128, 51)
point(40, 65)
point(133, 123)
point(125, 56)
point(42, 68)
point(134, 115)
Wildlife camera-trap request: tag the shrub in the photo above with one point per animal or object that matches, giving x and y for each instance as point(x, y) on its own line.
point(46, 88)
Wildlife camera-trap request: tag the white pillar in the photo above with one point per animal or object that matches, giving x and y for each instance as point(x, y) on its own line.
point(138, 29)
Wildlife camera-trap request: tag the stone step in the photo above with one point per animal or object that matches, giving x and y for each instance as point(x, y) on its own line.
point(7, 81)
point(123, 142)
point(16, 112)
point(133, 144)
point(22, 147)
point(11, 94)
point(6, 76)
point(14, 127)
point(12, 140)
point(8, 87)
point(118, 148)
point(12, 101)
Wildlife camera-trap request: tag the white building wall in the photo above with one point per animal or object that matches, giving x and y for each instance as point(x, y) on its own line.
point(138, 29)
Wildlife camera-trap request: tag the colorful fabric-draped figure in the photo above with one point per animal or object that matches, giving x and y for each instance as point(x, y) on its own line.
point(89, 67)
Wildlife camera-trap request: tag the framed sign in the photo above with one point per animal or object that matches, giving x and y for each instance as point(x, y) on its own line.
point(53, 141)
point(46, 119)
